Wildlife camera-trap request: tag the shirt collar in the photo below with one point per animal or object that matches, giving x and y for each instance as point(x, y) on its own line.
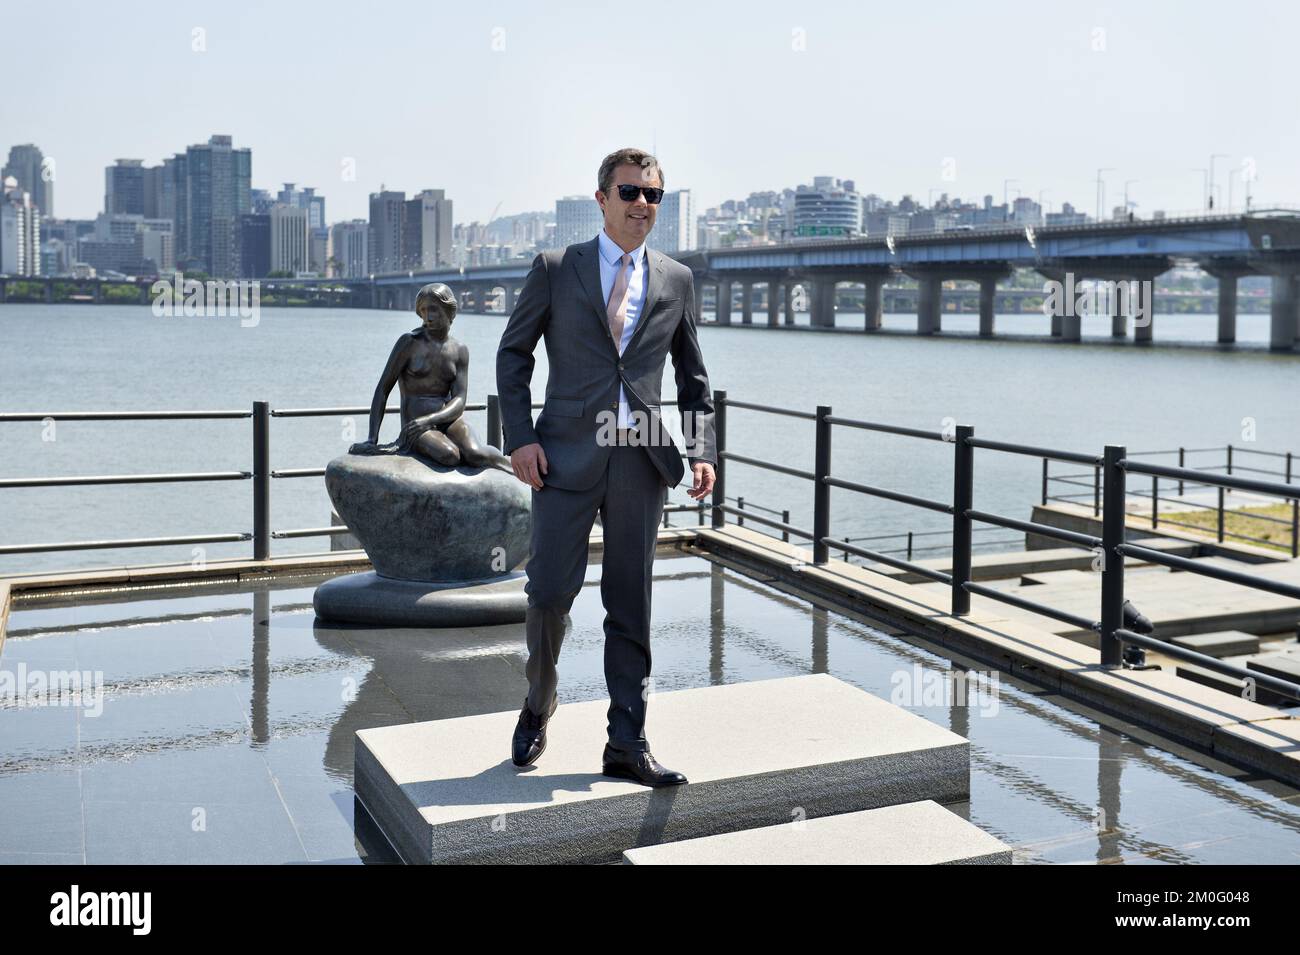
point(611, 252)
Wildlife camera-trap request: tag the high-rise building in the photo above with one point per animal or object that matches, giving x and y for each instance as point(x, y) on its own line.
point(217, 193)
point(20, 230)
point(28, 168)
point(674, 229)
point(427, 231)
point(255, 245)
point(305, 198)
point(124, 188)
point(349, 249)
point(827, 209)
point(577, 219)
point(387, 214)
point(289, 239)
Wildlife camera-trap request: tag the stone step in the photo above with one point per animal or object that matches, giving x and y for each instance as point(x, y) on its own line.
point(1220, 643)
point(756, 754)
point(914, 833)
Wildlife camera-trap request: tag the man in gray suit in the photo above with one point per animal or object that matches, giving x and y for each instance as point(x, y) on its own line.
point(610, 310)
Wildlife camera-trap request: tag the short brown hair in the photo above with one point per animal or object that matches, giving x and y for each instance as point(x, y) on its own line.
point(626, 157)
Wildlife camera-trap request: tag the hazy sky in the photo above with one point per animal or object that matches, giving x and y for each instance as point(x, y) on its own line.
point(512, 103)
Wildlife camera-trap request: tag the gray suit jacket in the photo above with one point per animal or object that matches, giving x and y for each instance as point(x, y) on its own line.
point(561, 300)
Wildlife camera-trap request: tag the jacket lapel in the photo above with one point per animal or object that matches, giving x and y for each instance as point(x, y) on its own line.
point(654, 276)
point(587, 265)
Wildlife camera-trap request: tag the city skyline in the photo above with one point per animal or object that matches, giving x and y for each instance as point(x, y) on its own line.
point(785, 86)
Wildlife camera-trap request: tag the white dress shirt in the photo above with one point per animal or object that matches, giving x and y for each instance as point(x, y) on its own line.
point(610, 256)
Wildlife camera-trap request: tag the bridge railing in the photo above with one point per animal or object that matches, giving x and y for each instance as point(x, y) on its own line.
point(1110, 548)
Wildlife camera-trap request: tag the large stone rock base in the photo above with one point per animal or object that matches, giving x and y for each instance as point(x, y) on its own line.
point(368, 598)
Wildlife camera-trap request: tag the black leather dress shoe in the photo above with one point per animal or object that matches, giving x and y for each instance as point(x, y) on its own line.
point(639, 767)
point(530, 734)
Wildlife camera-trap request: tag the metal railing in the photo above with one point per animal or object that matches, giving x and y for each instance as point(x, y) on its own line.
point(262, 475)
point(1112, 467)
point(1231, 463)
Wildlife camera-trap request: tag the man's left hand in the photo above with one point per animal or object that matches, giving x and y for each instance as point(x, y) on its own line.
point(703, 472)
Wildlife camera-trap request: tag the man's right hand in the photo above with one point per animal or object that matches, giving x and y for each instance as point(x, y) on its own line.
point(529, 463)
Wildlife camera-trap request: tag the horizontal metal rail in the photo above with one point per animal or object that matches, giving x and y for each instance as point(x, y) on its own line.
point(327, 412)
point(880, 557)
point(121, 415)
point(298, 472)
point(766, 521)
point(1032, 606)
point(1277, 685)
point(1031, 527)
point(770, 409)
point(124, 542)
point(1211, 570)
point(1033, 452)
point(127, 479)
point(898, 496)
point(1287, 491)
point(330, 531)
point(770, 466)
point(885, 428)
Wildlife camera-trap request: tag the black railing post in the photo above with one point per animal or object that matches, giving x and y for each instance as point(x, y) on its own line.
point(494, 421)
point(1229, 459)
point(720, 472)
point(963, 490)
point(1044, 480)
point(1220, 522)
point(1096, 492)
point(822, 490)
point(1155, 502)
point(1182, 463)
point(785, 519)
point(1112, 561)
point(1295, 527)
point(261, 480)
point(740, 506)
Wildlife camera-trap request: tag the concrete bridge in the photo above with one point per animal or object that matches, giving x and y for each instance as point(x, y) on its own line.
point(1226, 246)
point(780, 278)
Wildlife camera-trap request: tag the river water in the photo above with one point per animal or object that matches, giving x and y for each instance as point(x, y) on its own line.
point(121, 358)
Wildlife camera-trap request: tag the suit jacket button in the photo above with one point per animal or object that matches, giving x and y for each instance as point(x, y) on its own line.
point(620, 366)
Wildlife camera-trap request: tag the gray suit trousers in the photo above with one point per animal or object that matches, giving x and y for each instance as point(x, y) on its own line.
point(630, 498)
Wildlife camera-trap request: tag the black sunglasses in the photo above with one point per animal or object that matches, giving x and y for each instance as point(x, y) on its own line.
point(628, 193)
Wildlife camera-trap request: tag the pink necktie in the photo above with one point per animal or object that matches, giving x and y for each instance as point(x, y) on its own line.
point(616, 307)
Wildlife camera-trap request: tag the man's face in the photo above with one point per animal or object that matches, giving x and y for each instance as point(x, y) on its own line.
point(628, 223)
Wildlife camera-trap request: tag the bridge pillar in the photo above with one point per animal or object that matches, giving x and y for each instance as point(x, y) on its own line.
point(1118, 317)
point(1227, 309)
point(929, 305)
point(1144, 322)
point(871, 309)
point(49, 291)
point(747, 302)
point(3, 291)
point(823, 303)
point(99, 292)
point(988, 298)
point(1285, 325)
point(773, 302)
point(724, 302)
point(789, 302)
point(1072, 327)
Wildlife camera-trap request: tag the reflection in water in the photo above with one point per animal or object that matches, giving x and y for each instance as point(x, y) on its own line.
point(201, 709)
